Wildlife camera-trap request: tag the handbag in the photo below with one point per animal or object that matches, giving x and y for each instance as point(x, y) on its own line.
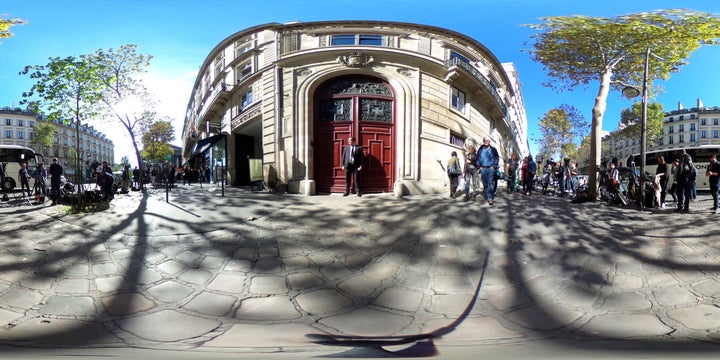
point(454, 169)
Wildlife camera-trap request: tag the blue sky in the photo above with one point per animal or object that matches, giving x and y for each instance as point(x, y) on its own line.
point(179, 34)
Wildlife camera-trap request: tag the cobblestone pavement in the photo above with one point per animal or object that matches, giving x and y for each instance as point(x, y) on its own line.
point(261, 272)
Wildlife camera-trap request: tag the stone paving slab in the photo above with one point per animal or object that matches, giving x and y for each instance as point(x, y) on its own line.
point(264, 270)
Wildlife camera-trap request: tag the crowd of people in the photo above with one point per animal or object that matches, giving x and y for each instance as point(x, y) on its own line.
point(683, 188)
point(483, 164)
point(561, 178)
point(102, 175)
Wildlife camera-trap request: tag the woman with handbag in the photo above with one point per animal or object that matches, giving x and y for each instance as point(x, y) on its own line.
point(454, 172)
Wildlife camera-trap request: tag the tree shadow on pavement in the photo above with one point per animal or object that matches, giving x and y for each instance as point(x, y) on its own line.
point(572, 265)
point(417, 263)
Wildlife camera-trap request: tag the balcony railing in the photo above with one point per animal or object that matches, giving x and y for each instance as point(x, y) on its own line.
point(480, 78)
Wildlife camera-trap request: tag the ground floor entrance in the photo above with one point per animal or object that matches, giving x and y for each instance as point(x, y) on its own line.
point(361, 107)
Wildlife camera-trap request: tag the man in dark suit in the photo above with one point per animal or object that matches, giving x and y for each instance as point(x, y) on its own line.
point(55, 171)
point(352, 160)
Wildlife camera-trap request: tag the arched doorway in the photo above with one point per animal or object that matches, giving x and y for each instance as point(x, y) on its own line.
point(362, 107)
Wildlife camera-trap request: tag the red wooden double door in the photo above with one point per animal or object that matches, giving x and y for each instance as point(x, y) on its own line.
point(361, 107)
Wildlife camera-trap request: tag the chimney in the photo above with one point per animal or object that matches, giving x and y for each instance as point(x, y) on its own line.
point(680, 107)
point(699, 103)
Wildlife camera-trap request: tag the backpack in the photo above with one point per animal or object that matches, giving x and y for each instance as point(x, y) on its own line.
point(454, 169)
point(687, 166)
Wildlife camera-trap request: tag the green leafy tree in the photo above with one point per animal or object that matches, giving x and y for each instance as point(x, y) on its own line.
point(43, 135)
point(583, 156)
point(579, 50)
point(67, 88)
point(156, 141)
point(560, 128)
point(125, 97)
point(104, 84)
point(5, 25)
point(124, 161)
point(630, 122)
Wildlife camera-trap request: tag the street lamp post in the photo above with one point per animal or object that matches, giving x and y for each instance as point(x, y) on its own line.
point(643, 131)
point(631, 92)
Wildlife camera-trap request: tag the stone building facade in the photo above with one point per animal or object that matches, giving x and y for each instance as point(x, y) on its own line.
point(16, 128)
point(290, 96)
point(698, 126)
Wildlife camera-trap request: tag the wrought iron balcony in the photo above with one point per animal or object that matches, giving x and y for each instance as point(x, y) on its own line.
point(453, 63)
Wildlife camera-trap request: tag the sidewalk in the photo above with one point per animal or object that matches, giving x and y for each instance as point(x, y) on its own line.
point(261, 273)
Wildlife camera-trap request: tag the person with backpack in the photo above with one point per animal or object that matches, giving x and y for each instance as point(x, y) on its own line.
point(453, 171)
point(683, 175)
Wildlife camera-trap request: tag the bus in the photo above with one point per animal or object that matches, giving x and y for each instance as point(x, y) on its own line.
point(700, 157)
point(11, 156)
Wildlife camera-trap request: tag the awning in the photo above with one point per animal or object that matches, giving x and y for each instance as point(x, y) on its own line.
point(203, 145)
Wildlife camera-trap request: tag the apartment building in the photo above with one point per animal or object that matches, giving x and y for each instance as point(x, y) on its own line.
point(16, 128)
point(290, 95)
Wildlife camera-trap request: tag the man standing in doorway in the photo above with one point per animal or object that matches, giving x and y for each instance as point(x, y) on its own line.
point(488, 162)
point(352, 160)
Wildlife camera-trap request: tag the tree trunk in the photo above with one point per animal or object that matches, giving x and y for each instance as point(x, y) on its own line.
point(598, 112)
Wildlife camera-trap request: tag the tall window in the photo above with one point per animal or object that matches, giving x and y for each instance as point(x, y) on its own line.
point(692, 137)
point(246, 99)
point(692, 127)
point(206, 82)
point(681, 127)
point(716, 133)
point(8, 122)
point(8, 134)
point(681, 138)
point(243, 71)
point(218, 65)
point(354, 39)
point(703, 122)
point(21, 134)
point(703, 134)
point(243, 45)
point(20, 122)
point(715, 121)
point(670, 129)
point(458, 99)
